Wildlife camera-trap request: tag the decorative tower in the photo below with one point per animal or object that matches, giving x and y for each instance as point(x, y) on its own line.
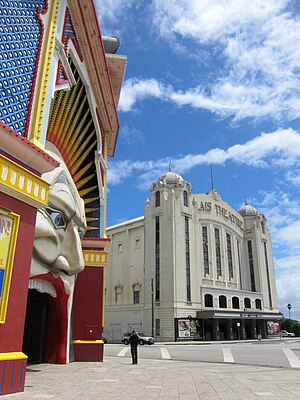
point(257, 253)
point(167, 255)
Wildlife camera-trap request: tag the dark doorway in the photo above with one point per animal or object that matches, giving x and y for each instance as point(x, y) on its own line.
point(35, 331)
point(223, 330)
point(208, 329)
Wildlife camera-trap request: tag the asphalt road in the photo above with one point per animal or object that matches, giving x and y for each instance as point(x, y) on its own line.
point(285, 353)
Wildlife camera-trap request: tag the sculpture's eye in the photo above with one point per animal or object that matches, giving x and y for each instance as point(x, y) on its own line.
point(57, 217)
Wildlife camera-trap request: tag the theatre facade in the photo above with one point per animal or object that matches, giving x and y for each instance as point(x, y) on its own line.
point(60, 83)
point(191, 268)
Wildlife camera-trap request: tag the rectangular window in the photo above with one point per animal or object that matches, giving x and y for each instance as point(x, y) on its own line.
point(251, 266)
point(157, 259)
point(187, 260)
point(239, 261)
point(136, 297)
point(205, 250)
point(185, 198)
point(120, 248)
point(157, 199)
point(268, 274)
point(218, 252)
point(229, 256)
point(157, 327)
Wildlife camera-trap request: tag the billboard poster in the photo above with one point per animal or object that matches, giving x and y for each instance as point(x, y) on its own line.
point(276, 328)
point(273, 328)
point(184, 328)
point(188, 329)
point(270, 328)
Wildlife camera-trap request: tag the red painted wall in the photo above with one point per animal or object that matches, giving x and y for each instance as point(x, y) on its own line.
point(11, 333)
point(87, 304)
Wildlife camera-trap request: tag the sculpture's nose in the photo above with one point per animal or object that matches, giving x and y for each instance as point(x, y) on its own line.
point(71, 258)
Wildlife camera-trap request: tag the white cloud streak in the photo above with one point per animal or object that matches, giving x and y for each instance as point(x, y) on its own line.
point(279, 149)
point(140, 89)
point(255, 58)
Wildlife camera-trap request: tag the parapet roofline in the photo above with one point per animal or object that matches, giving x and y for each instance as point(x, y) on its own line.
point(128, 222)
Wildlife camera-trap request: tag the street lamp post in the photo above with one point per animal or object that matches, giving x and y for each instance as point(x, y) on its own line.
point(289, 306)
point(152, 307)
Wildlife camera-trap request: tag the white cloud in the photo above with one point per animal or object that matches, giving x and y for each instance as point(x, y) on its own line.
point(110, 11)
point(139, 89)
point(131, 135)
point(208, 20)
point(288, 291)
point(294, 176)
point(254, 56)
point(279, 149)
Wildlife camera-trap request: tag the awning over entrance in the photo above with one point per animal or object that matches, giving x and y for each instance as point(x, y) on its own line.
point(217, 314)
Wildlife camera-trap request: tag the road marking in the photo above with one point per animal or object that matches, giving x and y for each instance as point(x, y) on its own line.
point(123, 352)
point(292, 358)
point(228, 357)
point(164, 353)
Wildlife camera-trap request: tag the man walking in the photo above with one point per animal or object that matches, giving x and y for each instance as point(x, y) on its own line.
point(134, 340)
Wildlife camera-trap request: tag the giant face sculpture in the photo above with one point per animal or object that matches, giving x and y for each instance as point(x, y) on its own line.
point(57, 256)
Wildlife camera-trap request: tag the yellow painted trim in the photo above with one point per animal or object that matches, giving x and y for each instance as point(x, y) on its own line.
point(88, 342)
point(42, 88)
point(103, 300)
point(18, 182)
point(95, 258)
point(17, 355)
point(9, 263)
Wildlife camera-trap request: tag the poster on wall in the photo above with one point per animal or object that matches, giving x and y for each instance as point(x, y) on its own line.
point(188, 329)
point(270, 328)
point(9, 223)
point(273, 328)
point(184, 328)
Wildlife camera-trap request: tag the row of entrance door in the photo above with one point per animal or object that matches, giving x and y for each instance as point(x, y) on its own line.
point(232, 329)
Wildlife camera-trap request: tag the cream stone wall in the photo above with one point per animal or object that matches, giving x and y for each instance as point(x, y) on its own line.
point(170, 281)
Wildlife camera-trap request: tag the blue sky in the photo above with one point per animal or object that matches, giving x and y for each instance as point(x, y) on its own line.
point(212, 82)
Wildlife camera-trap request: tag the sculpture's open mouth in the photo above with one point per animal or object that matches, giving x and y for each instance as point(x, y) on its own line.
point(57, 338)
point(42, 286)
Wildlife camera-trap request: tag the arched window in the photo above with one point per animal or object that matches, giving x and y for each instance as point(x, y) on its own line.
point(185, 198)
point(222, 302)
point(235, 302)
point(247, 302)
point(157, 199)
point(258, 304)
point(208, 300)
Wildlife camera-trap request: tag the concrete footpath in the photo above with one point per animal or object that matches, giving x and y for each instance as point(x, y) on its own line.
point(116, 378)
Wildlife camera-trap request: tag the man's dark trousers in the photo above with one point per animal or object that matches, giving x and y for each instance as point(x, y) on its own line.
point(134, 354)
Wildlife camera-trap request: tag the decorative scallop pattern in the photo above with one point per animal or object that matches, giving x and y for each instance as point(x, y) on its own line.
point(19, 40)
point(68, 34)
